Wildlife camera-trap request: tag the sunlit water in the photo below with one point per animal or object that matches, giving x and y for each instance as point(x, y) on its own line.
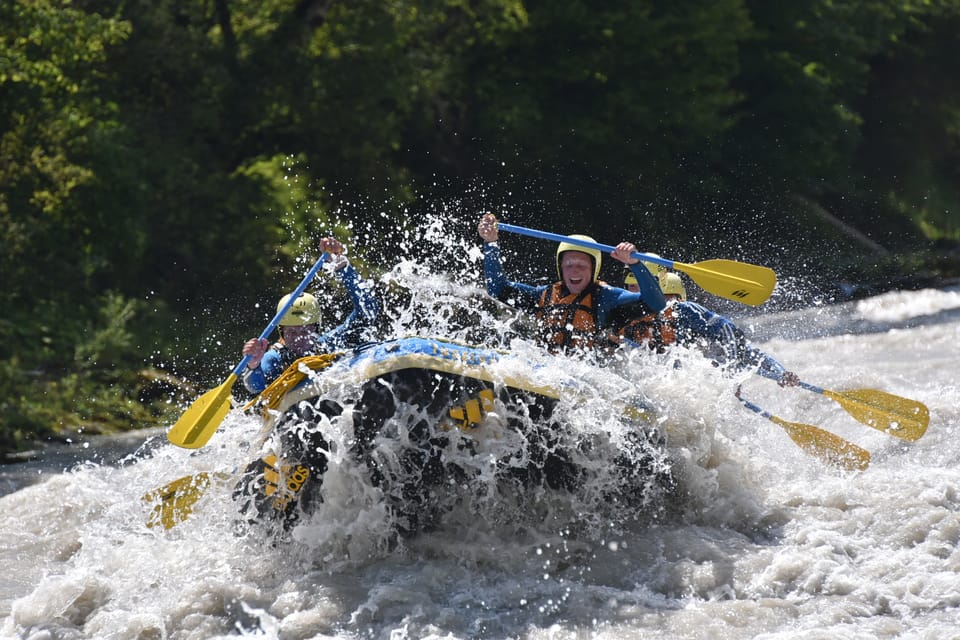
point(766, 542)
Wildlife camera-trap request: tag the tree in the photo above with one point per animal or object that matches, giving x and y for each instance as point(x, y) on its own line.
point(51, 61)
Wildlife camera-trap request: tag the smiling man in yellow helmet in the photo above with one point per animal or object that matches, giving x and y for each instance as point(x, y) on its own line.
point(572, 313)
point(299, 328)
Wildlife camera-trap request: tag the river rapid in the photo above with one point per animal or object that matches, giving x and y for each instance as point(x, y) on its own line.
point(765, 540)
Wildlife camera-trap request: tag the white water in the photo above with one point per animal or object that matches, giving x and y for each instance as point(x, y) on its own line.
point(769, 543)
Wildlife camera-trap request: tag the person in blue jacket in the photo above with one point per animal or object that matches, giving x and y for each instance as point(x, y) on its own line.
point(573, 313)
point(690, 324)
point(300, 333)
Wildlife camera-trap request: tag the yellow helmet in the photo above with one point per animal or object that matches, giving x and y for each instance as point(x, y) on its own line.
point(305, 310)
point(629, 278)
point(671, 284)
point(653, 267)
point(593, 253)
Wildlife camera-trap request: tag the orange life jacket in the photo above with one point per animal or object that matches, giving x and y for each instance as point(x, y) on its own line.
point(568, 321)
point(657, 330)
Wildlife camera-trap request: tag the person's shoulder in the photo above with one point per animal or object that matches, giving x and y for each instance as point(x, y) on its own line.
point(537, 289)
point(688, 311)
point(685, 307)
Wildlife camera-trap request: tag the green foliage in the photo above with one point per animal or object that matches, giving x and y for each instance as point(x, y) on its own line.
point(168, 166)
point(911, 149)
point(578, 108)
point(51, 56)
point(78, 369)
point(804, 72)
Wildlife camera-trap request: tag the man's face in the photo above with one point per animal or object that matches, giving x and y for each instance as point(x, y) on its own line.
point(577, 270)
point(299, 339)
point(632, 287)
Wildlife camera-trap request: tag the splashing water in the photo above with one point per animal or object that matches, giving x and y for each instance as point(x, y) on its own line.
point(758, 539)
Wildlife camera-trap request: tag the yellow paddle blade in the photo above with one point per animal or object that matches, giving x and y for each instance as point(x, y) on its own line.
point(827, 446)
point(740, 281)
point(198, 423)
point(173, 502)
point(894, 415)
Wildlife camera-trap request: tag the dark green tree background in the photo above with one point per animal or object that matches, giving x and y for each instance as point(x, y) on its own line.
point(165, 163)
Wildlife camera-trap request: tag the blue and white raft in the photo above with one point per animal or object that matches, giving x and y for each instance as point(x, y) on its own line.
point(423, 415)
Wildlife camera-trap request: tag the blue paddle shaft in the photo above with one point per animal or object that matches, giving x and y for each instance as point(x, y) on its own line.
point(546, 235)
point(282, 311)
point(810, 387)
point(754, 408)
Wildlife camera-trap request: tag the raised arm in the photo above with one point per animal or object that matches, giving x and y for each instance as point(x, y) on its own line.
point(498, 286)
point(649, 287)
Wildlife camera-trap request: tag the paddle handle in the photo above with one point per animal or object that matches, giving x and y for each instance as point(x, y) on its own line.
point(810, 387)
point(753, 407)
point(282, 311)
point(546, 235)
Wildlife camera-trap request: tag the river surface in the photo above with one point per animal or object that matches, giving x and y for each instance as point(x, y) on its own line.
point(765, 540)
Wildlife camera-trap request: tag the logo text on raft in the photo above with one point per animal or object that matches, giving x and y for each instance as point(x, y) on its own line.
point(463, 356)
point(291, 477)
point(471, 412)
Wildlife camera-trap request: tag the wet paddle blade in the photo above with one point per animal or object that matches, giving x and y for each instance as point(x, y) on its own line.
point(198, 423)
point(827, 446)
point(740, 281)
point(894, 415)
point(174, 502)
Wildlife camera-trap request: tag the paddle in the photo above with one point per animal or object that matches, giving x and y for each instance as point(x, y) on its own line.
point(747, 283)
point(173, 502)
point(896, 416)
point(199, 422)
point(827, 446)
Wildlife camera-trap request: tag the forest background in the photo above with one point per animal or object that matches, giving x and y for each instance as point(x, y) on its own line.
point(165, 165)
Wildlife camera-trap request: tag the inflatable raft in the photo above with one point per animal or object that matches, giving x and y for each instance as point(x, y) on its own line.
point(426, 414)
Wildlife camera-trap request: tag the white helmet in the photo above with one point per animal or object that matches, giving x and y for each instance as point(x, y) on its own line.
point(672, 284)
point(305, 310)
point(653, 267)
point(594, 254)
